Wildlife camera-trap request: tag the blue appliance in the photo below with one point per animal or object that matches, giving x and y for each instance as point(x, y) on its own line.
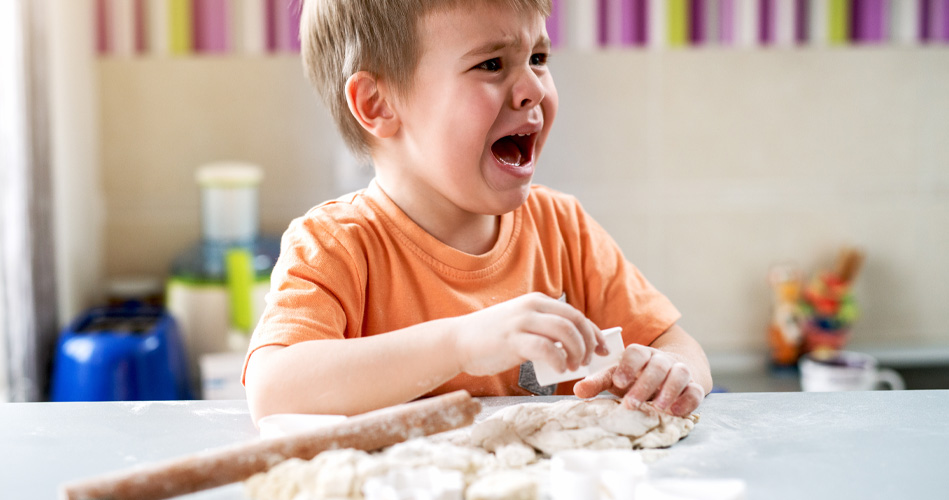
point(125, 353)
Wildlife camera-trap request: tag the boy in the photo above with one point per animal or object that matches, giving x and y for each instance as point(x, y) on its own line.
point(450, 270)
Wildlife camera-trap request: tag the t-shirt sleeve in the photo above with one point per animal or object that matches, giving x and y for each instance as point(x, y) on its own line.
point(616, 292)
point(314, 291)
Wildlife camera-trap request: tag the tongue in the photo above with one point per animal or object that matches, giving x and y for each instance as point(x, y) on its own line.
point(507, 151)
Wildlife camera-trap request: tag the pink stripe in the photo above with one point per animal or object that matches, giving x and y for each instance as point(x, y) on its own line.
point(103, 20)
point(139, 9)
point(282, 27)
point(271, 28)
point(945, 20)
point(296, 11)
point(553, 23)
point(767, 22)
point(801, 15)
point(211, 26)
point(634, 22)
point(726, 22)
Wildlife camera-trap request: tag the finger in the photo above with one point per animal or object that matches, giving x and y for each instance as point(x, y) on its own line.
point(676, 380)
point(589, 333)
point(648, 381)
point(601, 348)
point(557, 329)
point(634, 359)
point(540, 348)
point(688, 401)
point(594, 384)
point(593, 339)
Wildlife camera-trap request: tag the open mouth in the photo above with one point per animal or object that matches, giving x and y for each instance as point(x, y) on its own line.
point(515, 150)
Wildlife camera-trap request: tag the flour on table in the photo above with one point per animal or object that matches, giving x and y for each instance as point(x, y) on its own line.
point(504, 456)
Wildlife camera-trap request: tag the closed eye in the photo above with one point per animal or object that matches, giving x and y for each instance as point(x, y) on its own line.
point(492, 65)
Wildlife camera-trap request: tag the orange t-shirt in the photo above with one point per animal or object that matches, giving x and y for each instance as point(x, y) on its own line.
point(358, 266)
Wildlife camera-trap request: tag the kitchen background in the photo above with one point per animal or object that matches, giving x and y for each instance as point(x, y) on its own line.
point(712, 139)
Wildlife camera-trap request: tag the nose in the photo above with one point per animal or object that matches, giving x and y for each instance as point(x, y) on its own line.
point(528, 90)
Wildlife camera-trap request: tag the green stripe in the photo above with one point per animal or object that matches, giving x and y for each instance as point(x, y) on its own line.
point(240, 281)
point(839, 22)
point(678, 23)
point(180, 22)
point(195, 281)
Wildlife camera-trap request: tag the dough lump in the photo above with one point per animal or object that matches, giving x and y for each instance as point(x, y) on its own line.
point(573, 423)
point(507, 450)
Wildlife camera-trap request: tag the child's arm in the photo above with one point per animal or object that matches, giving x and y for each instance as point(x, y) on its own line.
point(350, 376)
point(673, 372)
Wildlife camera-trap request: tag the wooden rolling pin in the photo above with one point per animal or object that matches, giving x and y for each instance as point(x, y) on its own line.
point(369, 431)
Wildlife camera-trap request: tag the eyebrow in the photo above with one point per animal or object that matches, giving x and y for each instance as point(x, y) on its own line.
point(494, 45)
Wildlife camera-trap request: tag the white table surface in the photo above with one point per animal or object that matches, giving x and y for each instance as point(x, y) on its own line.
point(812, 446)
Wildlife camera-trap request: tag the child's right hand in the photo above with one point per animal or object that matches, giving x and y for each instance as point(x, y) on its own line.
point(505, 335)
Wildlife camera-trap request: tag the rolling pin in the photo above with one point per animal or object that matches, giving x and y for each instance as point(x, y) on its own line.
point(369, 431)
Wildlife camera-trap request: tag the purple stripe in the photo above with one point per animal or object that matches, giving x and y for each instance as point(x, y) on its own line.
point(603, 23)
point(856, 14)
point(766, 26)
point(726, 22)
point(553, 23)
point(874, 16)
point(945, 20)
point(697, 22)
point(801, 15)
point(867, 21)
point(924, 15)
point(642, 21)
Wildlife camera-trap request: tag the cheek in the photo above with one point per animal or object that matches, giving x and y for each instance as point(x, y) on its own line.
point(473, 118)
point(549, 108)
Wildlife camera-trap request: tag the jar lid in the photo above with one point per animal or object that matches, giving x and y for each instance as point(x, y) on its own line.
point(232, 174)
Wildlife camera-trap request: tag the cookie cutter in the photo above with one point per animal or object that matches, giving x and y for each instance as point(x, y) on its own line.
point(547, 374)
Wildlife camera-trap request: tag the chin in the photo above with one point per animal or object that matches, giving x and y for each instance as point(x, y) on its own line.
point(511, 200)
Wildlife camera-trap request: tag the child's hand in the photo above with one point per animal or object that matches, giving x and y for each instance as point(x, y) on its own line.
point(646, 373)
point(505, 335)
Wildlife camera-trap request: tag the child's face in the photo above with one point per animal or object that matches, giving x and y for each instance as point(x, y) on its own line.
point(480, 109)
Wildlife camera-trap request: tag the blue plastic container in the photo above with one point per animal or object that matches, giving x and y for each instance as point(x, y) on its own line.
point(126, 353)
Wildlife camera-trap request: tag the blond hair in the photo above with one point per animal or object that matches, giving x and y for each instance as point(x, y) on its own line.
point(341, 37)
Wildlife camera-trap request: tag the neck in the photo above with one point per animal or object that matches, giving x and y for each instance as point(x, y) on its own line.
point(462, 230)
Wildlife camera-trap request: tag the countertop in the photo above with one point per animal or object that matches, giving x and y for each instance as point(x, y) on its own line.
point(923, 367)
point(888, 444)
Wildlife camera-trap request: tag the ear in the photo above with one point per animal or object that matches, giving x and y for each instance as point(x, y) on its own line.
point(369, 103)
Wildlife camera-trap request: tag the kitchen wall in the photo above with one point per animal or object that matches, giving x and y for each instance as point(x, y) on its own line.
point(707, 166)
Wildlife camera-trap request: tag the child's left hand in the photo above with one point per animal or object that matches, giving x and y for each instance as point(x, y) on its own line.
point(643, 374)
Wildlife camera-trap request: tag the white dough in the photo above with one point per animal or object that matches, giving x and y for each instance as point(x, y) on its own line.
point(504, 456)
point(504, 485)
point(574, 424)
